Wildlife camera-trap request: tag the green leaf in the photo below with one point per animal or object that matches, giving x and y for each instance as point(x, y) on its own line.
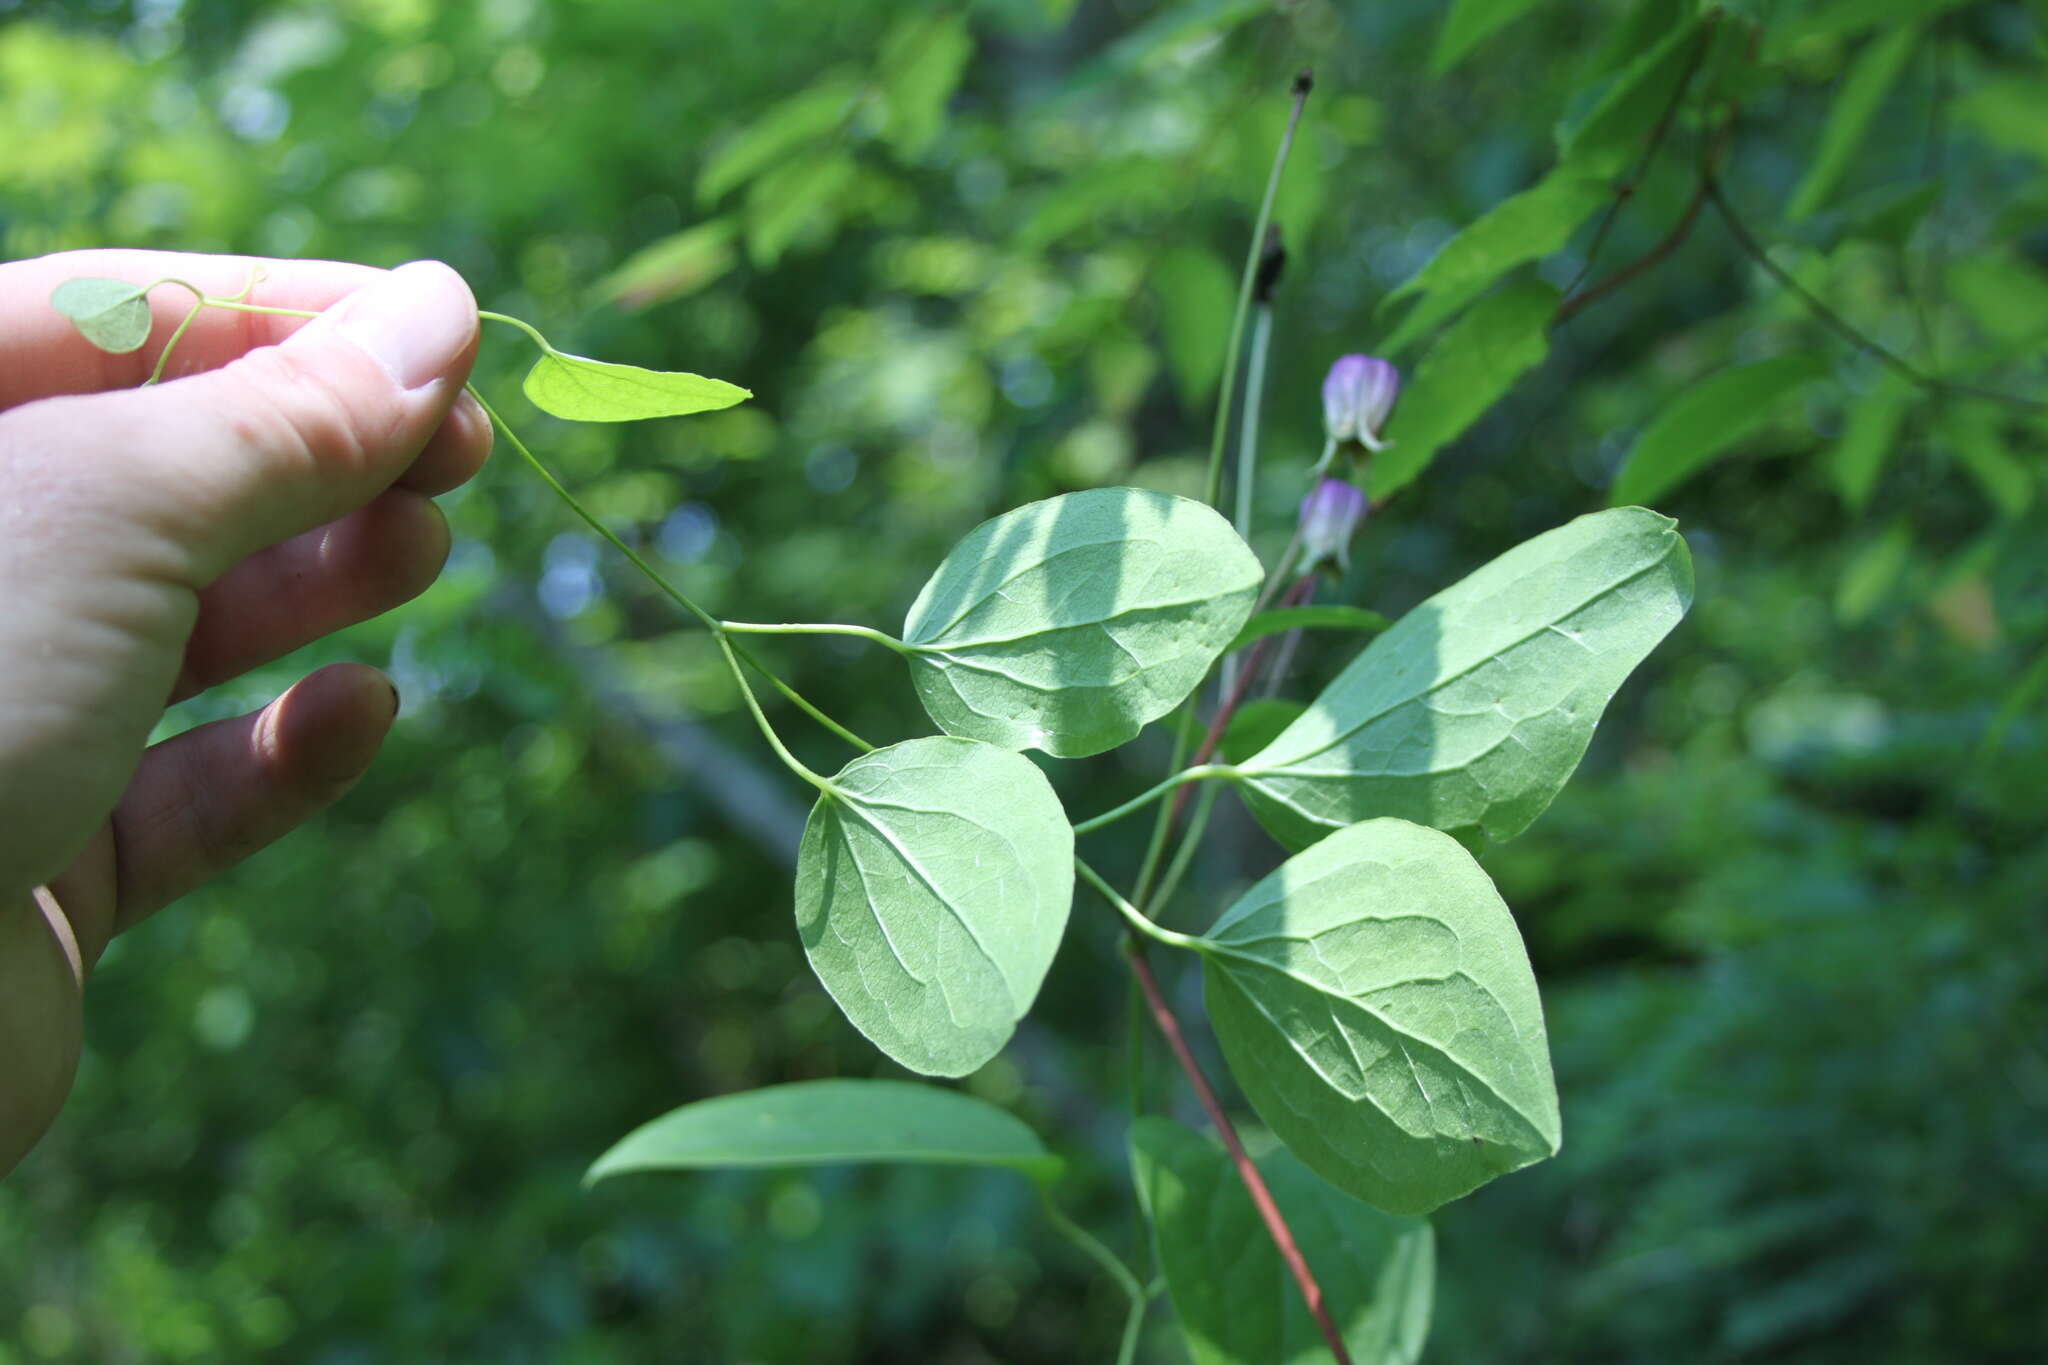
point(1863, 90)
point(1332, 617)
point(1642, 28)
point(1606, 139)
point(1068, 625)
point(1464, 374)
point(1845, 19)
point(673, 267)
point(1973, 435)
point(585, 390)
point(1532, 224)
point(816, 1123)
point(779, 131)
point(932, 888)
point(1229, 1287)
point(1868, 435)
point(1472, 22)
point(1256, 724)
point(1376, 1006)
point(112, 314)
point(1704, 421)
point(1197, 297)
point(1472, 711)
point(803, 198)
point(1872, 572)
point(921, 63)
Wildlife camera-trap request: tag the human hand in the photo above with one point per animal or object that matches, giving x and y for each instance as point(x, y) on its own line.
point(157, 541)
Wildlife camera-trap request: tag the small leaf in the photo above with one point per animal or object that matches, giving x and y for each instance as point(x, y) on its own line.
point(1068, 625)
point(1607, 138)
point(1979, 446)
point(585, 390)
point(1375, 1004)
point(112, 314)
point(1642, 28)
point(1464, 374)
point(1470, 713)
point(1704, 421)
point(1256, 724)
point(781, 130)
point(1863, 90)
point(922, 60)
point(932, 889)
point(1531, 225)
point(1196, 299)
point(1332, 617)
point(803, 199)
point(1868, 435)
point(1229, 1287)
point(1472, 22)
point(1872, 572)
point(1837, 19)
point(816, 1123)
point(673, 267)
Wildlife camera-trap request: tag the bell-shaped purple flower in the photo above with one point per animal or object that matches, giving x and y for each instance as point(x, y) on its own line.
point(1330, 516)
point(1358, 393)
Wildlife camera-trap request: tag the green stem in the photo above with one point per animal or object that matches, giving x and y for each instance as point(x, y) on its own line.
point(1214, 487)
point(1137, 1293)
point(813, 628)
point(1162, 824)
point(1134, 918)
point(789, 760)
point(1185, 854)
point(790, 694)
point(176, 336)
point(1248, 446)
point(484, 314)
point(1139, 802)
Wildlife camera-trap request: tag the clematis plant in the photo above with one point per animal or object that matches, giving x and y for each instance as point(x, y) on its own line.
point(1358, 393)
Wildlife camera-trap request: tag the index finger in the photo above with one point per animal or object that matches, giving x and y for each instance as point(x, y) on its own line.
point(42, 355)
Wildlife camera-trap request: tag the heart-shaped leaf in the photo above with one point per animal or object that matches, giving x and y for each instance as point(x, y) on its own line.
point(112, 314)
point(1377, 1272)
point(815, 1123)
point(1472, 711)
point(1067, 625)
point(1376, 1006)
point(932, 888)
point(585, 390)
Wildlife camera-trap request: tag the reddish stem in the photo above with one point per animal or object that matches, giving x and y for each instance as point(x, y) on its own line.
point(1254, 1183)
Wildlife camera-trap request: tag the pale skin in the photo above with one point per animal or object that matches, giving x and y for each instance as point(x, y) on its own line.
point(276, 487)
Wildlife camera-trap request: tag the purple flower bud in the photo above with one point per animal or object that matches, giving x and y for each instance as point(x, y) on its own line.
point(1330, 515)
point(1358, 394)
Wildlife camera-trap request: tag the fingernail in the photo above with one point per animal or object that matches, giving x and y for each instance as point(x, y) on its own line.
point(413, 322)
point(392, 687)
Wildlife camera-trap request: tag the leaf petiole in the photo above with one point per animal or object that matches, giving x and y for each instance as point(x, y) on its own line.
point(811, 628)
point(1136, 919)
point(1146, 798)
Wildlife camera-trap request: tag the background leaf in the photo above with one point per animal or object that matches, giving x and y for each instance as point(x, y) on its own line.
point(1329, 616)
point(672, 268)
point(1470, 713)
point(584, 390)
point(1704, 421)
point(1531, 225)
point(813, 1123)
point(920, 66)
point(932, 889)
point(1869, 431)
point(1256, 724)
point(1232, 1293)
point(1464, 374)
point(776, 133)
point(1974, 433)
point(1375, 1004)
point(112, 314)
point(1873, 572)
point(799, 199)
point(1196, 298)
point(1863, 90)
point(1470, 23)
point(1069, 624)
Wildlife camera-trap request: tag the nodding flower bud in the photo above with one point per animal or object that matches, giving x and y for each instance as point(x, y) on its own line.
point(1330, 516)
point(1358, 394)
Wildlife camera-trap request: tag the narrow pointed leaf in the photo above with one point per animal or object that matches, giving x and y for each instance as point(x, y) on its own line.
point(1869, 431)
point(1863, 90)
point(1375, 1004)
point(1470, 713)
point(1067, 625)
point(1196, 296)
point(1471, 23)
point(112, 314)
point(1334, 616)
point(780, 131)
point(1229, 1286)
point(815, 1123)
point(673, 267)
point(921, 65)
point(1607, 139)
point(585, 390)
point(1705, 422)
point(932, 888)
point(1468, 369)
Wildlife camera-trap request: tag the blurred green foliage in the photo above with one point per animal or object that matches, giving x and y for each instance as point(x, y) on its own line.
point(336, 1108)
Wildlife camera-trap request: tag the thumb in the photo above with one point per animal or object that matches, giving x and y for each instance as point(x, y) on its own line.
point(287, 437)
